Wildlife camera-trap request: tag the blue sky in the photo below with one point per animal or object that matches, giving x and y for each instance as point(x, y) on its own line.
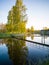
point(37, 12)
point(5, 6)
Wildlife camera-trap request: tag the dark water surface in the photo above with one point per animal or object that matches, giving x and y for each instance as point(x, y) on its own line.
point(18, 52)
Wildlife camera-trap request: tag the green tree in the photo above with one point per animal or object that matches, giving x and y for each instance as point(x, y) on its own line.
point(17, 18)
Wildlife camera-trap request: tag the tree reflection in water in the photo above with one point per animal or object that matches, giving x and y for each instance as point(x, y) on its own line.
point(32, 36)
point(17, 51)
point(21, 54)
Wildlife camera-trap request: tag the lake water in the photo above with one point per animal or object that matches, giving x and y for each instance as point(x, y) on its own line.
point(18, 52)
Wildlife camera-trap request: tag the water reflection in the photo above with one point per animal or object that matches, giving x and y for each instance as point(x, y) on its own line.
point(32, 36)
point(38, 38)
point(38, 55)
point(43, 39)
point(4, 57)
point(17, 51)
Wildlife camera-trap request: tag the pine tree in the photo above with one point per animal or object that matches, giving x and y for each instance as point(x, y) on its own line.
point(17, 17)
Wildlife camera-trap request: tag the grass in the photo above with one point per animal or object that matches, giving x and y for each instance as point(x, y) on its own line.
point(9, 35)
point(5, 35)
